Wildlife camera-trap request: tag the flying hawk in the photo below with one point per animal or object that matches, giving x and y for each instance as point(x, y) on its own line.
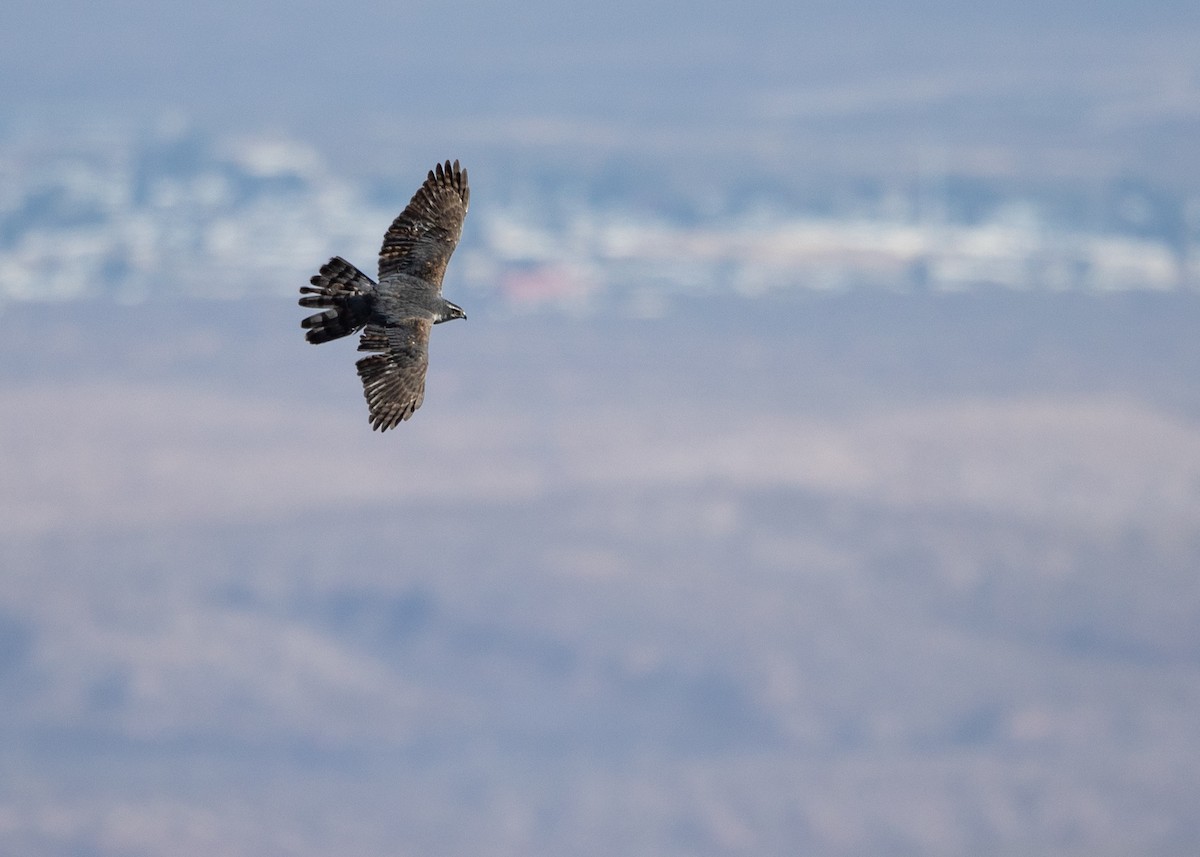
point(397, 313)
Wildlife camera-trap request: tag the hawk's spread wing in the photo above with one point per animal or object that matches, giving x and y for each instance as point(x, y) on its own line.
point(423, 236)
point(394, 379)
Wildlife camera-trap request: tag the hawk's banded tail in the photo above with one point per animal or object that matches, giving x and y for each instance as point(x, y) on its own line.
point(342, 291)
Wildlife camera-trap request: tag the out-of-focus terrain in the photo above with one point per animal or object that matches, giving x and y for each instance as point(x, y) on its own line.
point(844, 574)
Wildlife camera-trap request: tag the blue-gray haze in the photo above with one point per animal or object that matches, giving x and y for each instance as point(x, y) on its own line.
point(819, 474)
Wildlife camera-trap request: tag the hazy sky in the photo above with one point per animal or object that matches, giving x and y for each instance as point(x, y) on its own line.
point(239, 62)
point(1019, 89)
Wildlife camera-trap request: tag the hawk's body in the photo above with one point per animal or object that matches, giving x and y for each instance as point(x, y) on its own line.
point(399, 311)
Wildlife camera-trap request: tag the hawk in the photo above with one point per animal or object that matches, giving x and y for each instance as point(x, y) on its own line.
point(397, 313)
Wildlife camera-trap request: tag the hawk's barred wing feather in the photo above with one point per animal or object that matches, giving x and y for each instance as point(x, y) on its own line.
point(423, 236)
point(394, 378)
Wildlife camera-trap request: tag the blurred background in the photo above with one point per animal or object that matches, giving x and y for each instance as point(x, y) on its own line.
point(818, 471)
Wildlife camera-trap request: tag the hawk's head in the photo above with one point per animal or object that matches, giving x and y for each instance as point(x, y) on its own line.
point(448, 312)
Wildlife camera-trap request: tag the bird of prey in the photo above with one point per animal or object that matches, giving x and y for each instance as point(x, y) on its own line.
point(397, 313)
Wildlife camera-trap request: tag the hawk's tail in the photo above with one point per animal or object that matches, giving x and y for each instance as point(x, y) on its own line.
point(342, 291)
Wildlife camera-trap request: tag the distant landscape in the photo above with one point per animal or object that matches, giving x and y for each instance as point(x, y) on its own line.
point(817, 471)
point(845, 574)
point(165, 210)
